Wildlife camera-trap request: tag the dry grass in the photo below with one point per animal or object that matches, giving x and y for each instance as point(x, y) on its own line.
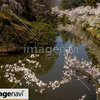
point(4, 16)
point(13, 18)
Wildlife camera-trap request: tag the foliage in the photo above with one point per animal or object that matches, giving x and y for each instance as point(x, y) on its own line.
point(68, 4)
point(40, 18)
point(86, 25)
point(65, 4)
point(13, 34)
point(48, 3)
point(92, 2)
point(44, 33)
point(28, 8)
point(64, 19)
point(76, 3)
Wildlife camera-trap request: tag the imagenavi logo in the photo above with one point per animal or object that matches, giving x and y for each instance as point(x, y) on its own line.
point(14, 94)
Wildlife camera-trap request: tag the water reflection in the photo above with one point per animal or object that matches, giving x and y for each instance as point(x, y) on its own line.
point(38, 68)
point(74, 69)
point(43, 59)
point(69, 36)
point(78, 37)
point(27, 66)
point(81, 70)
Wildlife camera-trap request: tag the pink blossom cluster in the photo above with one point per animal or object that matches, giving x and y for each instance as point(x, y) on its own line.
point(71, 66)
point(83, 97)
point(83, 66)
point(12, 5)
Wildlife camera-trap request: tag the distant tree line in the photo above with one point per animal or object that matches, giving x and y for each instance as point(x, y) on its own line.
point(67, 4)
point(92, 2)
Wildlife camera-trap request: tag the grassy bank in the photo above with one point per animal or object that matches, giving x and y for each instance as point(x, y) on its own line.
point(93, 30)
point(13, 34)
point(64, 19)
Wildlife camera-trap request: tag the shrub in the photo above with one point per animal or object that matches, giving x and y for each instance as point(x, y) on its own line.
point(92, 2)
point(44, 33)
